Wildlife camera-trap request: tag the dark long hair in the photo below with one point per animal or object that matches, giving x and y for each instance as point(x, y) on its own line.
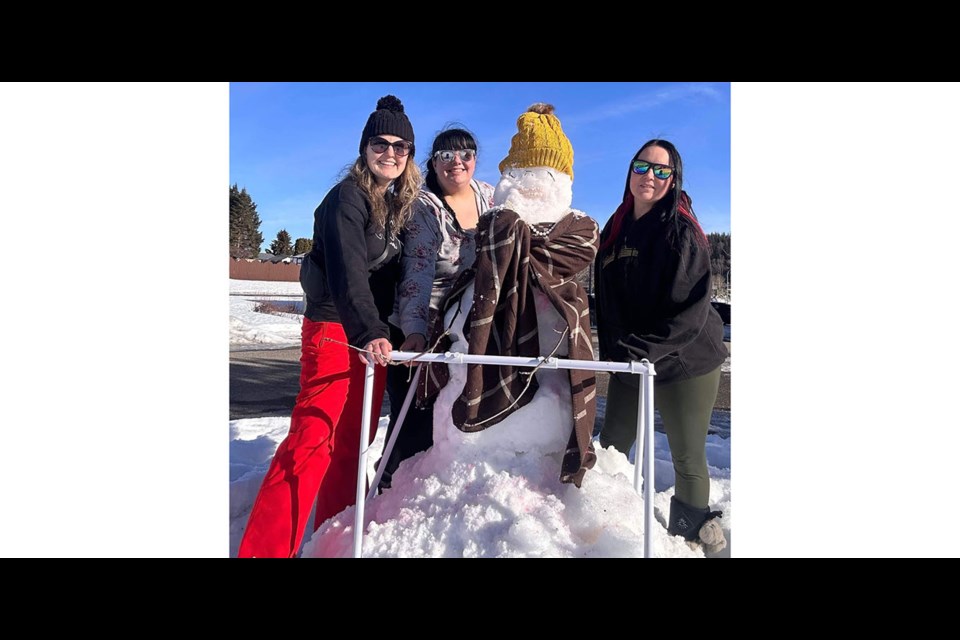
point(454, 139)
point(670, 206)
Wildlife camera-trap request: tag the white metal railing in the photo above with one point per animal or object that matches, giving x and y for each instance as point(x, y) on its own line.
point(644, 452)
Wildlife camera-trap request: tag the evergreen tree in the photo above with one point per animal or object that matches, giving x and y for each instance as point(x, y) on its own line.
point(720, 263)
point(245, 236)
point(281, 246)
point(302, 245)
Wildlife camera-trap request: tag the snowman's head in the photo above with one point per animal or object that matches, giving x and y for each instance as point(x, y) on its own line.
point(537, 175)
point(537, 194)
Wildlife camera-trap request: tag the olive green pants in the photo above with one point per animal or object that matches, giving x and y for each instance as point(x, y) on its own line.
point(685, 407)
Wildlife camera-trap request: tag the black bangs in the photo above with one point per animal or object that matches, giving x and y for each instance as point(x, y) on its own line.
point(454, 140)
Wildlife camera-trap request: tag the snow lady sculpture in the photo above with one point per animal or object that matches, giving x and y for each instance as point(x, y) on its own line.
point(521, 298)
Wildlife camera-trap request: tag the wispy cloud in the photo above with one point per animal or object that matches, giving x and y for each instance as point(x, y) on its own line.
point(646, 100)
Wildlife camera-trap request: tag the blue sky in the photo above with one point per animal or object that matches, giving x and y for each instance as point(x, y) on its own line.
point(289, 141)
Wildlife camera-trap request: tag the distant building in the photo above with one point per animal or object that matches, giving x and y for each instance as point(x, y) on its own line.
point(269, 257)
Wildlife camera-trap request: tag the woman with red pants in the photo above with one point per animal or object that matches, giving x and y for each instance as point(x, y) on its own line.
point(349, 279)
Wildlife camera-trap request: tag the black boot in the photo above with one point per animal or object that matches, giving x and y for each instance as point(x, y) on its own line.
point(686, 520)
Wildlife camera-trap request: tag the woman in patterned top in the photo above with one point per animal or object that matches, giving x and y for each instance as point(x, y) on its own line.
point(438, 244)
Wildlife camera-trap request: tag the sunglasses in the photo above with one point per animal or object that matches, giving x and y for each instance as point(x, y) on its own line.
point(400, 147)
point(661, 171)
point(446, 155)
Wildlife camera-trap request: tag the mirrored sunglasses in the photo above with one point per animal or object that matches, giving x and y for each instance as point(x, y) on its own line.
point(661, 171)
point(447, 155)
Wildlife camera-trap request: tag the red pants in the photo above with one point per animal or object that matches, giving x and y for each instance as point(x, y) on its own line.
point(319, 457)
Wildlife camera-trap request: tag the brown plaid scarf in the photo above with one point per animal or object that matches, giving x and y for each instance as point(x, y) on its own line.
point(503, 321)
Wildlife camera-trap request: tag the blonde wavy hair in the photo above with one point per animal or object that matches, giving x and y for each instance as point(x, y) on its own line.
point(398, 206)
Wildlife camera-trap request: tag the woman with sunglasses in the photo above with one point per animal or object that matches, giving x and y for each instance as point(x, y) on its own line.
point(438, 245)
point(652, 276)
point(349, 279)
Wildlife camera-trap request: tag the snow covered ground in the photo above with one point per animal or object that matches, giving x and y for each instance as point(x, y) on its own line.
point(443, 507)
point(252, 330)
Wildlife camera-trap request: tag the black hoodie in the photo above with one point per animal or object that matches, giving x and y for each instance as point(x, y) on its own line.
point(351, 273)
point(653, 298)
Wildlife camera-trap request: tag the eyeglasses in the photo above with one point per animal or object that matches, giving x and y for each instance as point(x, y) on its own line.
point(661, 171)
point(446, 155)
point(400, 147)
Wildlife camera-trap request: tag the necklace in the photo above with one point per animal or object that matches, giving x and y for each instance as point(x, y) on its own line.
point(545, 232)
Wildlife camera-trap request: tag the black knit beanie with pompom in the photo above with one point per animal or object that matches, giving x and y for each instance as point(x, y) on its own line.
point(388, 119)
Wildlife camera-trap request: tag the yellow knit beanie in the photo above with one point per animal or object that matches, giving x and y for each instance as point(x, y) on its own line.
point(539, 142)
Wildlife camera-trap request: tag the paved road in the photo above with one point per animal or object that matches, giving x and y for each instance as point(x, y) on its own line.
point(265, 383)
